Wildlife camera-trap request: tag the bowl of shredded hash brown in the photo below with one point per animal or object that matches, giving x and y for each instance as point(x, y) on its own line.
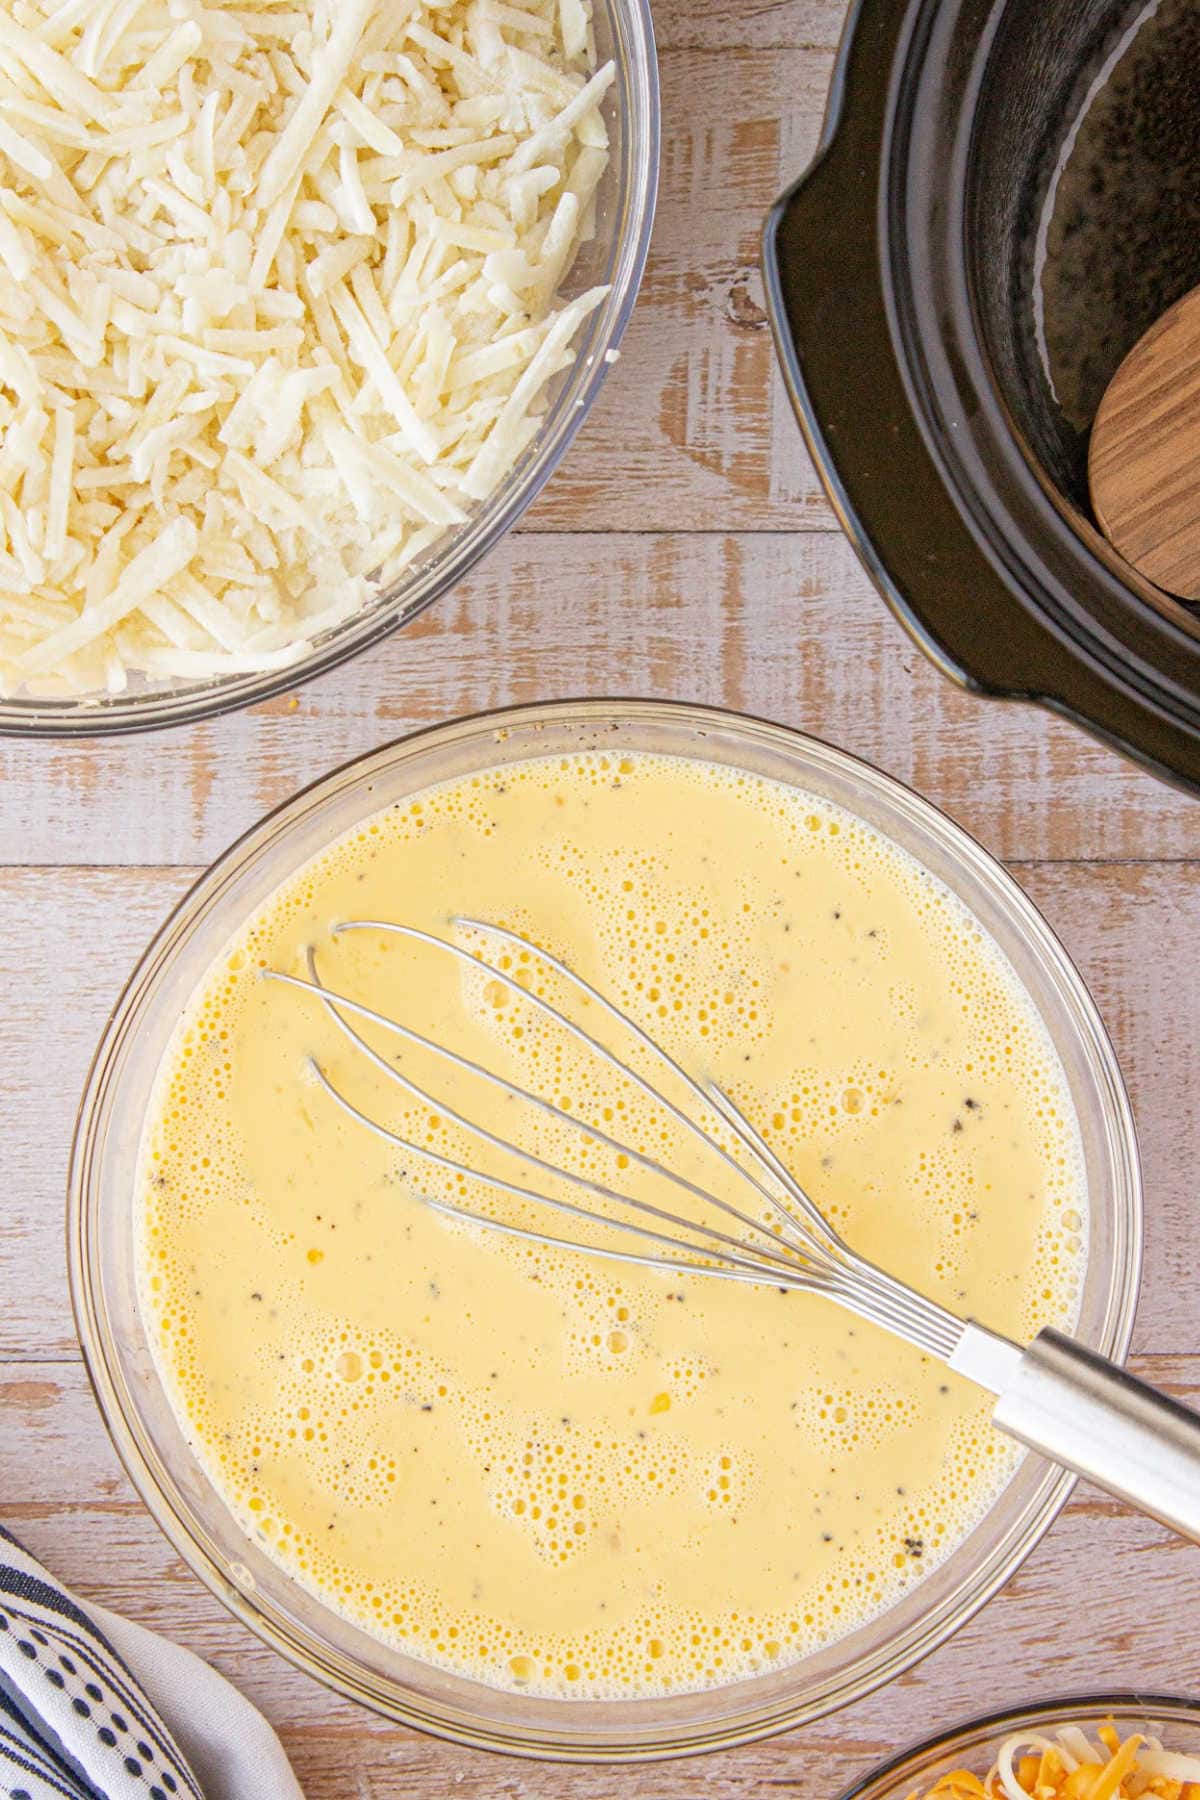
point(300, 304)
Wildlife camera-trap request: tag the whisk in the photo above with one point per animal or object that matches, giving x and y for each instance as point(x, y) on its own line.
point(1056, 1397)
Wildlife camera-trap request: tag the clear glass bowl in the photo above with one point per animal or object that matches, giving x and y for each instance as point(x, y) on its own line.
point(616, 255)
point(149, 1438)
point(973, 1745)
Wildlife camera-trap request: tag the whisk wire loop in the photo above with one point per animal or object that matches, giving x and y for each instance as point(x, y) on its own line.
point(784, 1274)
point(335, 1002)
point(798, 1249)
point(577, 1031)
point(854, 1270)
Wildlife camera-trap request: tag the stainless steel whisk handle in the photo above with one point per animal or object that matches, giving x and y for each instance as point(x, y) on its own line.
point(1089, 1415)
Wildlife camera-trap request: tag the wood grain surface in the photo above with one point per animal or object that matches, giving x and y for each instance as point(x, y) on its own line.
point(684, 550)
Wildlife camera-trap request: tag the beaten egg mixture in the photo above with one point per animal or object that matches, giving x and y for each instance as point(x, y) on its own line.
point(528, 1465)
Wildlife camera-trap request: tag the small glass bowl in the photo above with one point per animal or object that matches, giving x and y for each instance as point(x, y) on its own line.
point(154, 1448)
point(973, 1745)
point(615, 257)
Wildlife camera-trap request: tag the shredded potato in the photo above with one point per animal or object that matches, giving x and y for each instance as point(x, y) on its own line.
point(1069, 1766)
point(278, 306)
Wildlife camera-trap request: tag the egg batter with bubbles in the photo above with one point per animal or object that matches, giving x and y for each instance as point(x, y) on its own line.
point(533, 1467)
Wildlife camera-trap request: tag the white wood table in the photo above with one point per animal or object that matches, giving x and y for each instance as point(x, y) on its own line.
point(685, 549)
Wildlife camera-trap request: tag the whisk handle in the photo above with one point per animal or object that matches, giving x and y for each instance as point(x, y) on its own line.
point(1095, 1418)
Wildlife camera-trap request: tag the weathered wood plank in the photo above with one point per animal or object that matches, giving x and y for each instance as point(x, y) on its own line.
point(70, 945)
point(734, 25)
point(68, 1500)
point(694, 423)
point(1128, 931)
point(784, 626)
point(1131, 927)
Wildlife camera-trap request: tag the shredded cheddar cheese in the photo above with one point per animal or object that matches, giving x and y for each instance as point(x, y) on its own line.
point(1069, 1766)
point(279, 303)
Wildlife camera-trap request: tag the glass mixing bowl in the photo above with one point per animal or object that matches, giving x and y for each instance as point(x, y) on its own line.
point(973, 1745)
point(148, 1435)
point(615, 256)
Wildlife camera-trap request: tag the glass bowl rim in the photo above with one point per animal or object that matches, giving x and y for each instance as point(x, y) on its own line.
point(1067, 1708)
point(72, 718)
point(139, 1455)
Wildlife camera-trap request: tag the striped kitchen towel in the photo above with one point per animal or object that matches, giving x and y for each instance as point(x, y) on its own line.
point(94, 1708)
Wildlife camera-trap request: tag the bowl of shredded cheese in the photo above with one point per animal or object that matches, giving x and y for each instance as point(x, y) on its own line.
point(301, 302)
point(1119, 1746)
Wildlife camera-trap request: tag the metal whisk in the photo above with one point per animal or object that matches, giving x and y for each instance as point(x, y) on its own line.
point(1073, 1406)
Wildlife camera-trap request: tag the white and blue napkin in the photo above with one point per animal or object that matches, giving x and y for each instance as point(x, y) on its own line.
point(95, 1708)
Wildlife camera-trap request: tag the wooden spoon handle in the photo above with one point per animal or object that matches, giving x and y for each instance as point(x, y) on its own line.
point(1144, 458)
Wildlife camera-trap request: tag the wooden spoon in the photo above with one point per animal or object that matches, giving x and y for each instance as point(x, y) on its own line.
point(1144, 459)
